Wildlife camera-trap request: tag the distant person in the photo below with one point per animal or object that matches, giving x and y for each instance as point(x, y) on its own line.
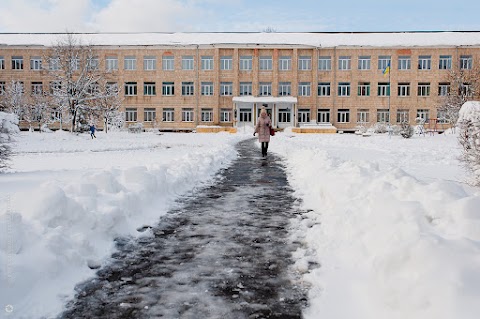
point(263, 130)
point(92, 131)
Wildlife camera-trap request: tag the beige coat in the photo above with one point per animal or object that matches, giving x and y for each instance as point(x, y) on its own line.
point(263, 128)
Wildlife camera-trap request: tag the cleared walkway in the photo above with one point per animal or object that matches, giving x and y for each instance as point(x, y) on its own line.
point(223, 253)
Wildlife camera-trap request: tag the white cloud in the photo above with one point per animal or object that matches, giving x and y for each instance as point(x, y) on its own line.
point(148, 15)
point(43, 15)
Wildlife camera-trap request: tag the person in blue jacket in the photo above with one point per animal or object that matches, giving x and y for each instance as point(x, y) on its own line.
point(92, 131)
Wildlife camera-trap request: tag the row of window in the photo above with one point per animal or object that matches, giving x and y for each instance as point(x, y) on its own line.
point(265, 63)
point(265, 88)
point(168, 115)
point(284, 115)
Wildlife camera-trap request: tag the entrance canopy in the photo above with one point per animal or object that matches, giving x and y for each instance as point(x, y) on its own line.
point(264, 99)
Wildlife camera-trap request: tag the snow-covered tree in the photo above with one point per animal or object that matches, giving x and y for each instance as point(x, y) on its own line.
point(107, 106)
point(469, 138)
point(38, 110)
point(464, 85)
point(8, 128)
point(13, 99)
point(75, 70)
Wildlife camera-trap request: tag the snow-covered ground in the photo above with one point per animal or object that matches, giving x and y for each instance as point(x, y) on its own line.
point(394, 229)
point(392, 224)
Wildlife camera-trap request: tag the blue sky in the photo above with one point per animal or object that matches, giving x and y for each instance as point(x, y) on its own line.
point(236, 15)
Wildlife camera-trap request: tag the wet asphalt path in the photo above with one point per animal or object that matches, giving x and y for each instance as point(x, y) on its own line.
point(223, 253)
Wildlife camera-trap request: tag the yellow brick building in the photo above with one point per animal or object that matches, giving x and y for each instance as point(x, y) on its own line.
point(215, 81)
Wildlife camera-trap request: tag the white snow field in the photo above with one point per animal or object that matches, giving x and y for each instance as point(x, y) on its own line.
point(392, 225)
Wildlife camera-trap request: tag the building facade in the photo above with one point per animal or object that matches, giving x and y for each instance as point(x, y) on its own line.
point(302, 81)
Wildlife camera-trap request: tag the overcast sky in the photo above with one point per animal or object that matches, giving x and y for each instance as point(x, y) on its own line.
point(237, 15)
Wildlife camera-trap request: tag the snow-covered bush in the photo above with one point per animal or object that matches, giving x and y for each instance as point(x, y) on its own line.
point(8, 128)
point(469, 137)
point(406, 130)
point(380, 128)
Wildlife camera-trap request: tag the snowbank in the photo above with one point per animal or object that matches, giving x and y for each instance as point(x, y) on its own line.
point(55, 231)
point(390, 242)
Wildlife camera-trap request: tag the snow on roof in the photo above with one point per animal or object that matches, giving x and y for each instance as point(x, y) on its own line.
point(265, 99)
point(316, 39)
point(469, 111)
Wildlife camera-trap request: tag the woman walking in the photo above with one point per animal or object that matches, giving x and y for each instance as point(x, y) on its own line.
point(263, 130)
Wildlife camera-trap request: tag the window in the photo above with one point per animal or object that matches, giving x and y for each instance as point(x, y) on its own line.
point(303, 115)
point(443, 89)
point(130, 63)
point(168, 115)
point(362, 116)
point(187, 115)
point(37, 88)
point(207, 62)
point(403, 89)
point(364, 63)
point(324, 63)
point(246, 63)
point(226, 88)
point(206, 88)
point(424, 62)
point(168, 88)
point(284, 88)
point(383, 89)
point(265, 88)
point(111, 63)
point(383, 116)
point(54, 63)
point(324, 89)
point(245, 115)
point(404, 62)
point(323, 116)
point(168, 63)
point(343, 89)
point(245, 88)
point(111, 87)
point(466, 90)
point(343, 116)
point(2, 63)
point(206, 115)
point(225, 115)
point(93, 63)
point(344, 63)
point(74, 64)
point(304, 89)
point(131, 114)
point(226, 63)
point(445, 62)
point(266, 63)
point(423, 114)
point(384, 61)
point(35, 63)
point(149, 115)
point(442, 117)
point(149, 63)
point(2, 87)
point(130, 88)
point(466, 62)
point(423, 89)
point(55, 87)
point(402, 116)
point(149, 88)
point(364, 89)
point(187, 88)
point(285, 63)
point(284, 116)
point(187, 62)
point(17, 63)
point(304, 63)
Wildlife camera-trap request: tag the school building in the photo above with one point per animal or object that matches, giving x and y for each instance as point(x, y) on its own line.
point(314, 82)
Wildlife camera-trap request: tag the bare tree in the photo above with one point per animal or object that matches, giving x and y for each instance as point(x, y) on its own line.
point(464, 86)
point(107, 105)
point(76, 74)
